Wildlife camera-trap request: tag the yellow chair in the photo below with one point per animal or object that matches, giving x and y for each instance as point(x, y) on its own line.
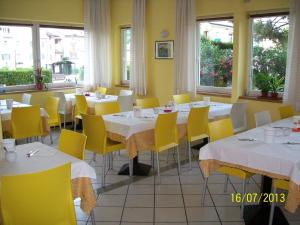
point(197, 127)
point(24, 202)
point(102, 90)
point(72, 143)
point(81, 107)
point(147, 102)
point(97, 141)
point(165, 136)
point(277, 184)
point(107, 108)
point(26, 122)
point(218, 130)
point(182, 98)
point(51, 107)
point(286, 111)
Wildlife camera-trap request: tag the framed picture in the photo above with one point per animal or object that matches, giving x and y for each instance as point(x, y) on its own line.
point(164, 49)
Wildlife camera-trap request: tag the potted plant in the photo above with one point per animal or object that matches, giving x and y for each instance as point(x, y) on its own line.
point(276, 84)
point(39, 79)
point(262, 82)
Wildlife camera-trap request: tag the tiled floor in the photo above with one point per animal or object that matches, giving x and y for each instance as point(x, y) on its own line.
point(176, 201)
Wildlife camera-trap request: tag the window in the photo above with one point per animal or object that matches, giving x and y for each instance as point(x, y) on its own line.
point(16, 61)
point(62, 52)
point(58, 50)
point(215, 50)
point(268, 52)
point(125, 54)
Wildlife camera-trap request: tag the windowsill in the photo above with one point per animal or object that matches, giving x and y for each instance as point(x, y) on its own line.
point(35, 90)
point(261, 99)
point(122, 85)
point(216, 94)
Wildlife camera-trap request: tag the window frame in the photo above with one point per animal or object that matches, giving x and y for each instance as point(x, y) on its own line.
point(122, 48)
point(36, 53)
point(202, 88)
point(249, 91)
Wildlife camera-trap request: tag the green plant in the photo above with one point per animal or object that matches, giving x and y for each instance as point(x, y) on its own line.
point(262, 82)
point(276, 83)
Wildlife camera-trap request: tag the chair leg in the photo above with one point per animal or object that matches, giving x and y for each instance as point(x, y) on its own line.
point(158, 168)
point(226, 183)
point(168, 155)
point(42, 139)
point(190, 154)
point(93, 217)
point(204, 191)
point(243, 194)
point(94, 157)
point(103, 171)
point(272, 208)
point(178, 160)
point(152, 159)
point(64, 121)
point(75, 122)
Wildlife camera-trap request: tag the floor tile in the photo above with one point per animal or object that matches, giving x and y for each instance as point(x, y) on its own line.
point(195, 200)
point(167, 180)
point(192, 189)
point(191, 179)
point(105, 214)
point(229, 213)
point(141, 189)
point(219, 188)
point(202, 214)
point(139, 201)
point(167, 189)
point(224, 200)
point(205, 223)
point(138, 215)
point(168, 201)
point(170, 215)
point(111, 200)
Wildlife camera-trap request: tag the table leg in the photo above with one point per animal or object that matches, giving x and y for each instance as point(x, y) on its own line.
point(139, 169)
point(259, 214)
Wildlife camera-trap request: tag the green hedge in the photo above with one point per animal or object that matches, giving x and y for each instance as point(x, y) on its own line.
point(22, 76)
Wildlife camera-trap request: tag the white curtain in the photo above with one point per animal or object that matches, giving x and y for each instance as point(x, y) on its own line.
point(97, 69)
point(138, 71)
point(185, 47)
point(292, 82)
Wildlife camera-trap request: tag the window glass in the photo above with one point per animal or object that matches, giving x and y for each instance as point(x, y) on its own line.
point(125, 54)
point(215, 53)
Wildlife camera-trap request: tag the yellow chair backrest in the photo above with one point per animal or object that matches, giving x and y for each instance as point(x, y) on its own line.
point(72, 143)
point(147, 102)
point(51, 106)
point(26, 122)
point(81, 105)
point(220, 129)
point(182, 98)
point(102, 90)
point(94, 129)
point(286, 111)
point(107, 108)
point(43, 198)
point(197, 123)
point(165, 132)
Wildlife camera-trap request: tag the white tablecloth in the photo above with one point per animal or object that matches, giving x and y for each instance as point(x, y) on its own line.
point(6, 113)
point(126, 125)
point(276, 158)
point(92, 100)
point(45, 159)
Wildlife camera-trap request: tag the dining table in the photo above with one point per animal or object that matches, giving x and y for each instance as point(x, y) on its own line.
point(272, 157)
point(137, 132)
point(44, 157)
point(91, 99)
point(5, 113)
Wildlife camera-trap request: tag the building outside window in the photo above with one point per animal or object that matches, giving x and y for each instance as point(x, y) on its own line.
point(215, 52)
point(268, 52)
point(125, 54)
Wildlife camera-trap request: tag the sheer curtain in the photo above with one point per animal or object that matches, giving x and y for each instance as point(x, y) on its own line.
point(185, 47)
point(292, 82)
point(97, 70)
point(138, 72)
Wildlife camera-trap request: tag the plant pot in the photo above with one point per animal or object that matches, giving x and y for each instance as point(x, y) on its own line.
point(264, 94)
point(274, 95)
point(39, 86)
